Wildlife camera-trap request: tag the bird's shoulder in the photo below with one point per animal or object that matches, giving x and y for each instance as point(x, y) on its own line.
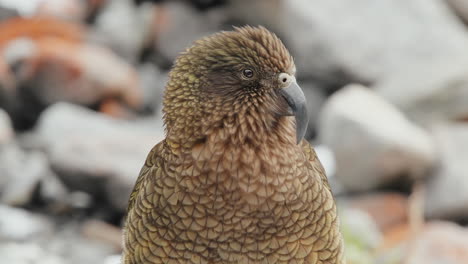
point(154, 160)
point(314, 164)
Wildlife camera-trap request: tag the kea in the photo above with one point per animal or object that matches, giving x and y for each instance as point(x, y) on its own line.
point(233, 181)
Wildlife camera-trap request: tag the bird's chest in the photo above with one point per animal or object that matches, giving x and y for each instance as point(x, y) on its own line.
point(242, 199)
point(236, 205)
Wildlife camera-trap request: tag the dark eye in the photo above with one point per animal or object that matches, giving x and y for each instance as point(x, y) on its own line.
point(248, 73)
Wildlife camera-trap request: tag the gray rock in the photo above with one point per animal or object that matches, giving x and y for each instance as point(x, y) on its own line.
point(21, 173)
point(124, 27)
point(185, 25)
point(24, 8)
point(53, 192)
point(27, 253)
point(460, 7)
point(71, 10)
point(428, 93)
point(327, 158)
point(6, 129)
point(20, 225)
point(7, 13)
point(315, 97)
point(65, 244)
point(361, 234)
point(439, 243)
point(373, 142)
point(446, 195)
point(363, 40)
point(95, 153)
point(113, 259)
point(70, 244)
point(152, 83)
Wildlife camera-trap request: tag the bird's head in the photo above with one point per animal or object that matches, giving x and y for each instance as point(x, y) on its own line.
point(245, 76)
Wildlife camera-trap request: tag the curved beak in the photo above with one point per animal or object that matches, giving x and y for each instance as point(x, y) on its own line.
point(297, 107)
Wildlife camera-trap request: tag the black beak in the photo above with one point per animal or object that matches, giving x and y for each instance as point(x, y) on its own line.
point(298, 108)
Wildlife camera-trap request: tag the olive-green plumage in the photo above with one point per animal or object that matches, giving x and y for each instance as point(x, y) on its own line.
point(229, 183)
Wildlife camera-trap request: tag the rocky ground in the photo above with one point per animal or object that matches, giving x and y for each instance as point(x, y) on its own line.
point(80, 99)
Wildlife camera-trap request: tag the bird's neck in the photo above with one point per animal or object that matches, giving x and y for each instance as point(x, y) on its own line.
point(244, 161)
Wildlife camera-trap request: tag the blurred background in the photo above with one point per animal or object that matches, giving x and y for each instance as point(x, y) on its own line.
point(81, 84)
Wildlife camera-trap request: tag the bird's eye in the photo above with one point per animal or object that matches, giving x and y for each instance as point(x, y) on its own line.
point(248, 73)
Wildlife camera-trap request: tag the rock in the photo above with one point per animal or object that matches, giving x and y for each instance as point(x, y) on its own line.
point(24, 8)
point(7, 13)
point(315, 97)
point(460, 7)
point(20, 225)
point(432, 93)
point(341, 41)
point(104, 232)
point(374, 144)
point(44, 240)
point(26, 253)
point(361, 236)
point(440, 243)
point(327, 158)
point(388, 210)
point(54, 193)
point(73, 10)
point(51, 70)
point(6, 129)
point(446, 195)
point(114, 259)
point(396, 238)
point(97, 154)
point(72, 245)
point(152, 82)
point(184, 24)
point(124, 27)
point(21, 174)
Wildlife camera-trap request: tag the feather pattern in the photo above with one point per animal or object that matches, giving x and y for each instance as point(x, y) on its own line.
point(229, 184)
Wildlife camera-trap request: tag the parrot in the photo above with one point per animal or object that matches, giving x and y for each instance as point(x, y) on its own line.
point(234, 180)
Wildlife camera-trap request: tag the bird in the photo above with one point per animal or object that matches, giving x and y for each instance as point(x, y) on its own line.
point(234, 180)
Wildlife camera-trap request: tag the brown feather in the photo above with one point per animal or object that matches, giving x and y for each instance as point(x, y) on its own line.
point(229, 184)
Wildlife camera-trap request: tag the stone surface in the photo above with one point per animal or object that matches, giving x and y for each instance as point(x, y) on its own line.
point(20, 225)
point(6, 129)
point(341, 41)
point(59, 243)
point(446, 191)
point(7, 13)
point(27, 237)
point(73, 10)
point(26, 253)
point(185, 25)
point(460, 7)
point(25, 8)
point(21, 173)
point(361, 236)
point(373, 142)
point(315, 97)
point(124, 27)
point(388, 210)
point(114, 259)
point(95, 153)
point(440, 243)
point(429, 93)
point(51, 70)
point(69, 243)
point(152, 82)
